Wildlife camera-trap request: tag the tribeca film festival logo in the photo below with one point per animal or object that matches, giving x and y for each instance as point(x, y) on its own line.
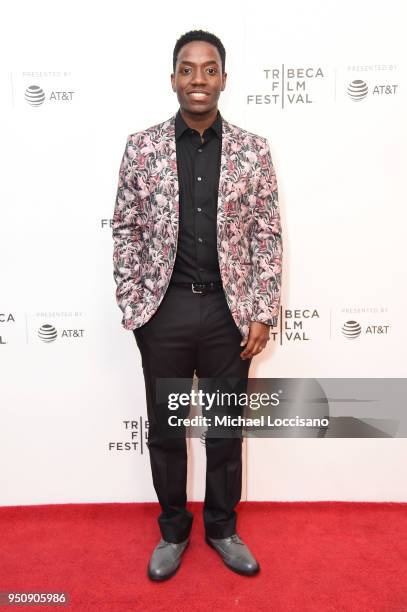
point(5, 318)
point(106, 223)
point(301, 85)
point(137, 431)
point(49, 332)
point(288, 86)
point(295, 325)
point(352, 329)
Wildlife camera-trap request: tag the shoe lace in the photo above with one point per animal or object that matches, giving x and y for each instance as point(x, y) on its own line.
point(163, 543)
point(235, 538)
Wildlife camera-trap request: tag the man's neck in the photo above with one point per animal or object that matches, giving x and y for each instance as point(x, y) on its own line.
point(199, 122)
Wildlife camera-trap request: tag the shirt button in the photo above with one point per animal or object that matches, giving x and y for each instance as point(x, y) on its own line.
point(199, 239)
point(199, 150)
point(199, 209)
point(199, 178)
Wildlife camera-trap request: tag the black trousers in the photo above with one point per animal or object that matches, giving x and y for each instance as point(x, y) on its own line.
point(192, 332)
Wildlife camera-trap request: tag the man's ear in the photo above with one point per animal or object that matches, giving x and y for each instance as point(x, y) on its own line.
point(224, 76)
point(173, 82)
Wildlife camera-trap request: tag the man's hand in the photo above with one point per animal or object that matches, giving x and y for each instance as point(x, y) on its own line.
point(259, 335)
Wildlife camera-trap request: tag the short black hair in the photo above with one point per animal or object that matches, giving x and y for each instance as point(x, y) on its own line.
point(199, 35)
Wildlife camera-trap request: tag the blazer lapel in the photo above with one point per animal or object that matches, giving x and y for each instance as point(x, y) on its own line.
point(169, 184)
point(223, 176)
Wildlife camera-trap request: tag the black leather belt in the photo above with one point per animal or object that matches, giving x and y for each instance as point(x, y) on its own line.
point(200, 287)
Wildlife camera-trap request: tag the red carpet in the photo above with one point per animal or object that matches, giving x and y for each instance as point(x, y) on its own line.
point(328, 556)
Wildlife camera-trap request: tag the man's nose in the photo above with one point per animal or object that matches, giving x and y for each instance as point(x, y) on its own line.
point(198, 76)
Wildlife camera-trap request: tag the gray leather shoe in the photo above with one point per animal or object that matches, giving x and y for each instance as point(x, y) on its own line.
point(235, 554)
point(165, 559)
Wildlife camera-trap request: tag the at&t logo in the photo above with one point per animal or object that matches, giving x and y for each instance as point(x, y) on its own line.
point(352, 330)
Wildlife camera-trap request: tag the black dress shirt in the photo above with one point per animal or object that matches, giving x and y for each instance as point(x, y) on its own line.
point(198, 164)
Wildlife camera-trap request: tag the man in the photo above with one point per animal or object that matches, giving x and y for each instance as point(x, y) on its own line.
point(197, 262)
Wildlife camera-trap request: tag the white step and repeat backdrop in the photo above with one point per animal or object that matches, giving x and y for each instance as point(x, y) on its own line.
point(325, 82)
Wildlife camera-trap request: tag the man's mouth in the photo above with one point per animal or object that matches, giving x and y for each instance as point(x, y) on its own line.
point(198, 95)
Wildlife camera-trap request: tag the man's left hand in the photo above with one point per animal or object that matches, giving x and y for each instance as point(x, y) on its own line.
point(259, 335)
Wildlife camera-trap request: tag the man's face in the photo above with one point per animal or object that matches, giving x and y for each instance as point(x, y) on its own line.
point(198, 78)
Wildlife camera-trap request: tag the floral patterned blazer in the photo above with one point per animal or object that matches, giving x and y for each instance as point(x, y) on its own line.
point(145, 225)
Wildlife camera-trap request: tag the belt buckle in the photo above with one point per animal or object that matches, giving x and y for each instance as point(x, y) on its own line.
point(193, 289)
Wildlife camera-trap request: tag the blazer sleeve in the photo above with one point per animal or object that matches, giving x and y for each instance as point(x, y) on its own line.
point(127, 234)
point(266, 243)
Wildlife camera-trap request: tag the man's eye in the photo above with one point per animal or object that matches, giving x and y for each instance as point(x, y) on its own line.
point(186, 70)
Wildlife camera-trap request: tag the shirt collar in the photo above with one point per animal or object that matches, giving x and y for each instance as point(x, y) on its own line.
point(181, 126)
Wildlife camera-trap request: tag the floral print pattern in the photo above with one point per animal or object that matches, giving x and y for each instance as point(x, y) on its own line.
point(146, 223)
